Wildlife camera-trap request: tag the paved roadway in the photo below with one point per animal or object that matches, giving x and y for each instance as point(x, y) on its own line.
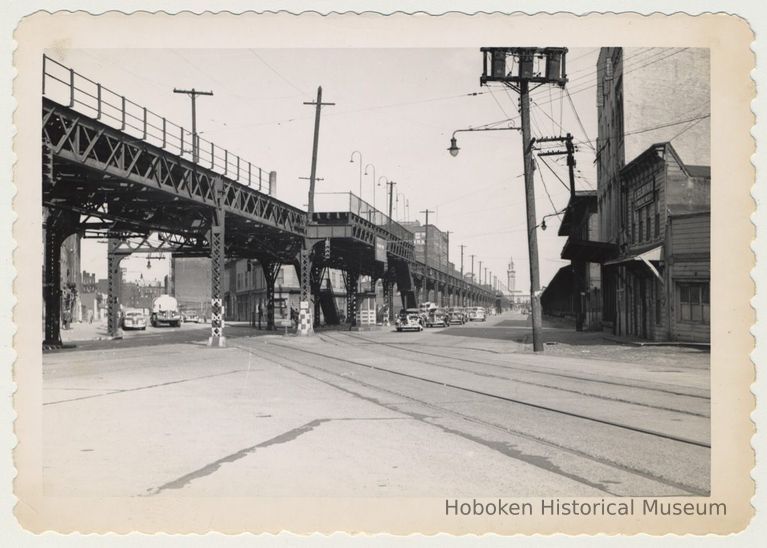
point(461, 411)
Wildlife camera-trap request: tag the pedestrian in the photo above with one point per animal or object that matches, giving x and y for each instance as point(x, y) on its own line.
point(90, 316)
point(260, 314)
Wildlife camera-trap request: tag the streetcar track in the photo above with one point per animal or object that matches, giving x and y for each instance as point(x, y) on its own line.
point(535, 371)
point(561, 389)
point(505, 398)
point(599, 460)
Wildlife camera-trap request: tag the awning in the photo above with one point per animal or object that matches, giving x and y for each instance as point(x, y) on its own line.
point(647, 258)
point(588, 250)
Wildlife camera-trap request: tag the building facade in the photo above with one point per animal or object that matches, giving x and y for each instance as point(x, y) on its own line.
point(431, 244)
point(664, 264)
point(652, 157)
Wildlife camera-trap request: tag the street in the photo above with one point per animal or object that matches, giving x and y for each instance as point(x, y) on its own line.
point(459, 411)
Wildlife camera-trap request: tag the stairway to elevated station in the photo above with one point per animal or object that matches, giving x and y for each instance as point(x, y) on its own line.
point(328, 305)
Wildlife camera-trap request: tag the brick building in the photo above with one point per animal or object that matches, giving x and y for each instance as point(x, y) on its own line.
point(438, 242)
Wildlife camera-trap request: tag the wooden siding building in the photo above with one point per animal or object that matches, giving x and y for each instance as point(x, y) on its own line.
point(661, 277)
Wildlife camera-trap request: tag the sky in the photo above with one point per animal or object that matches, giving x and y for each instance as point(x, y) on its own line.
point(397, 108)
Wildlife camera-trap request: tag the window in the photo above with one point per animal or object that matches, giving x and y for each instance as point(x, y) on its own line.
point(648, 235)
point(694, 302)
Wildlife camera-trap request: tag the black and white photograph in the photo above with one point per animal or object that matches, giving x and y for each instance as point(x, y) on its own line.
point(391, 259)
point(479, 276)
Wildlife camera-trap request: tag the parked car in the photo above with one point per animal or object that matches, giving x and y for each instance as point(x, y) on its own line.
point(191, 317)
point(438, 317)
point(409, 320)
point(477, 314)
point(456, 316)
point(134, 319)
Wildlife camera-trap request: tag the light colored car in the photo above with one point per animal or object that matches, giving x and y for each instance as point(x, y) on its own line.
point(409, 320)
point(134, 319)
point(477, 314)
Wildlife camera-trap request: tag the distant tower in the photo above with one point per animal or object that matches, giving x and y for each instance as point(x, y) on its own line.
point(511, 276)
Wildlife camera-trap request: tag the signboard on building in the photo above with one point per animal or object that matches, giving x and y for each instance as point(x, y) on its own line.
point(380, 250)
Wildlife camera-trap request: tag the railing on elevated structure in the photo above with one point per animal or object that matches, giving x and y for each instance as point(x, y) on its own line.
point(347, 202)
point(71, 89)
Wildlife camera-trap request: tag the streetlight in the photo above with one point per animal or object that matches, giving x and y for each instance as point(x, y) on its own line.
point(378, 183)
point(453, 149)
point(374, 181)
point(351, 161)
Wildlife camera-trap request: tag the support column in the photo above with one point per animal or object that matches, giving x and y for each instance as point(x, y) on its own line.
point(317, 275)
point(114, 289)
point(271, 269)
point(217, 270)
point(352, 277)
point(305, 313)
point(388, 296)
point(52, 280)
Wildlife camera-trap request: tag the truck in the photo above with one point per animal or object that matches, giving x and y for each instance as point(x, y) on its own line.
point(165, 312)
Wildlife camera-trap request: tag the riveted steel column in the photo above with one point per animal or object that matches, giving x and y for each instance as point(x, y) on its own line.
point(52, 283)
point(352, 278)
point(388, 295)
point(114, 288)
point(217, 252)
point(318, 273)
point(270, 276)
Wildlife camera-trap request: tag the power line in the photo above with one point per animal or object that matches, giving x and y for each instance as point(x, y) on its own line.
point(688, 127)
point(555, 173)
point(540, 174)
point(270, 67)
point(578, 117)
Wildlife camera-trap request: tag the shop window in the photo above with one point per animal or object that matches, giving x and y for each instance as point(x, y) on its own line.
point(694, 302)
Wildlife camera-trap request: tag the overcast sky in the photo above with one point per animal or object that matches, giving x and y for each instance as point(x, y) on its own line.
point(398, 107)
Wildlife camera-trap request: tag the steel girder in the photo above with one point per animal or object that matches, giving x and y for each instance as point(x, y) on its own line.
point(81, 140)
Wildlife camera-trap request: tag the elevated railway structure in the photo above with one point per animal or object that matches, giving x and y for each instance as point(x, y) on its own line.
point(115, 170)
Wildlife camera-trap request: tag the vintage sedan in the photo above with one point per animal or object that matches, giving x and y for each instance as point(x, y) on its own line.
point(438, 317)
point(477, 314)
point(409, 320)
point(456, 316)
point(134, 319)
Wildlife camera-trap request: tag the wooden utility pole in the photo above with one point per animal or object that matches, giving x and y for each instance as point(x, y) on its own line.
point(532, 228)
point(391, 185)
point(518, 75)
point(426, 239)
point(193, 93)
point(312, 176)
point(462, 246)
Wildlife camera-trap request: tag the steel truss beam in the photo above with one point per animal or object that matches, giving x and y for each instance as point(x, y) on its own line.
point(84, 141)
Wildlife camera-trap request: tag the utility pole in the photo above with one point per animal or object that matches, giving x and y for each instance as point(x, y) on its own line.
point(532, 231)
point(480, 273)
point(318, 104)
point(472, 269)
point(447, 266)
point(462, 246)
point(426, 240)
point(306, 321)
point(193, 93)
point(518, 75)
point(391, 185)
